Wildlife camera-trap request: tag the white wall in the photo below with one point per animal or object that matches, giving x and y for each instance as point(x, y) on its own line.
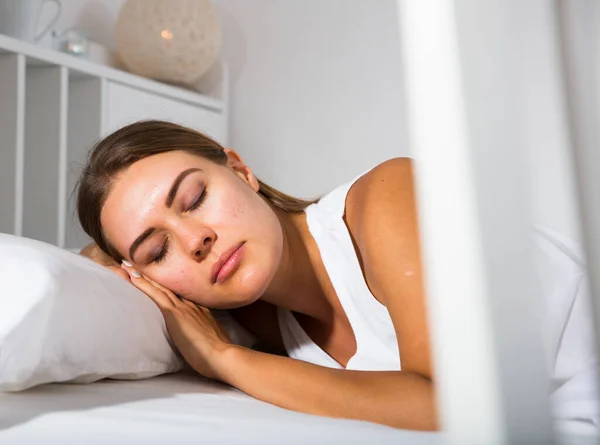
point(316, 94)
point(315, 84)
point(546, 136)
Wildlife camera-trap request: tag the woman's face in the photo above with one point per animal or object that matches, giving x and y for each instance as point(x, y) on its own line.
point(195, 227)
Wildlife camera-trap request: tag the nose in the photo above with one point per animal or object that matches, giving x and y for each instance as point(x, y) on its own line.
point(201, 246)
point(197, 239)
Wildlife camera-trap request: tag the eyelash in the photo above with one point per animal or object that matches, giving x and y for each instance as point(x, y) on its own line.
point(163, 253)
point(198, 202)
point(165, 248)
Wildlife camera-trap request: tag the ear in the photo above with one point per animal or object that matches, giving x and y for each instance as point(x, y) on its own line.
point(234, 161)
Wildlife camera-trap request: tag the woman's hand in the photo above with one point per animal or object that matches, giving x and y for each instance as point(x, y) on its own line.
point(94, 253)
point(194, 331)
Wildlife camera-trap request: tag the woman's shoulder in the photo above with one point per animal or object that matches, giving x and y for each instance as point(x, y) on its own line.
point(390, 173)
point(387, 187)
point(380, 213)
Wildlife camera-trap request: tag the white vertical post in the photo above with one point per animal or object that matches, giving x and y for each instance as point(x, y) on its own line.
point(104, 129)
point(462, 98)
point(580, 43)
point(85, 116)
point(45, 152)
point(225, 97)
point(20, 145)
point(12, 118)
point(63, 101)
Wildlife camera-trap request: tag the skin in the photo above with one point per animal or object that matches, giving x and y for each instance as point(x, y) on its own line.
point(232, 212)
point(280, 266)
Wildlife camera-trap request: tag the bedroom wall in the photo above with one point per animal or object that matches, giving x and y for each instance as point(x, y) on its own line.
point(316, 97)
point(315, 91)
point(546, 136)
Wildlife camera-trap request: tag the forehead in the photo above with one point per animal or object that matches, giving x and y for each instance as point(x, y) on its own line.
point(153, 174)
point(140, 190)
point(162, 164)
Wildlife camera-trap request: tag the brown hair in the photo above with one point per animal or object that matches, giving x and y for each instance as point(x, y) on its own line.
point(137, 141)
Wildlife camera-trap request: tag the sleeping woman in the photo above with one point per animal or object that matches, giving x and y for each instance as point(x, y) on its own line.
point(331, 288)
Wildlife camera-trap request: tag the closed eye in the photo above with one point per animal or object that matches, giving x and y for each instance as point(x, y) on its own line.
point(162, 255)
point(198, 202)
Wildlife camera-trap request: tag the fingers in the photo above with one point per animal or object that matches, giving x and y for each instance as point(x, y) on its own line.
point(162, 288)
point(189, 303)
point(197, 308)
point(198, 311)
point(119, 271)
point(174, 298)
point(164, 300)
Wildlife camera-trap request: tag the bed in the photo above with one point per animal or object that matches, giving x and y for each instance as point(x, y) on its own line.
point(462, 210)
point(184, 409)
point(177, 408)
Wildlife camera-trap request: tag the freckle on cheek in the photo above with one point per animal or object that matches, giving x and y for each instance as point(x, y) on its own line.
point(179, 281)
point(239, 211)
point(235, 212)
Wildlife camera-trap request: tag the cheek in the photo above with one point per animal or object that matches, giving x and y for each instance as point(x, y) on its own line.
point(233, 212)
point(182, 280)
point(236, 205)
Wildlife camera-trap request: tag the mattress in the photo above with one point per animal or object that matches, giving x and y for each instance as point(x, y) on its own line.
point(188, 409)
point(180, 409)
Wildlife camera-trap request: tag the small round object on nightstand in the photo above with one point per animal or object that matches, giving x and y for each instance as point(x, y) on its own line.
point(175, 41)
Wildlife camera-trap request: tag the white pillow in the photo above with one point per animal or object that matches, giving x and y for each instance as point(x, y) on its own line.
point(65, 318)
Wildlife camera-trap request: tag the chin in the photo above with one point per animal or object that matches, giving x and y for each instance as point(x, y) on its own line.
point(247, 286)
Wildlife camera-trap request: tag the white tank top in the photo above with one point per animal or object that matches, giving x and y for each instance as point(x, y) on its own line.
point(376, 344)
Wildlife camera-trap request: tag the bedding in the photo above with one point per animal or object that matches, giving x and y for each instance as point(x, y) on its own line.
point(187, 409)
point(177, 408)
point(65, 318)
point(568, 330)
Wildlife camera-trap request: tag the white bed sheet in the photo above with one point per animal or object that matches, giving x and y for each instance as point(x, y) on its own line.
point(179, 409)
point(187, 409)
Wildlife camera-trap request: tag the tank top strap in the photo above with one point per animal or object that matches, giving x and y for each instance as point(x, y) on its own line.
point(335, 201)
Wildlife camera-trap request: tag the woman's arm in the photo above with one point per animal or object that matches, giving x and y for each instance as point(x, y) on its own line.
point(395, 398)
point(381, 218)
point(381, 215)
point(382, 221)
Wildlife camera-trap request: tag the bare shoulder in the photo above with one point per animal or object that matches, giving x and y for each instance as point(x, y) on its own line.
point(381, 215)
point(381, 218)
point(385, 191)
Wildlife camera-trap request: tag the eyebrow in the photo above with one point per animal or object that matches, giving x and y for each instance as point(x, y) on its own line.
point(168, 203)
point(175, 186)
point(139, 240)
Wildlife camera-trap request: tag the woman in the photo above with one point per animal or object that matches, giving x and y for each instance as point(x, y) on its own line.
point(335, 283)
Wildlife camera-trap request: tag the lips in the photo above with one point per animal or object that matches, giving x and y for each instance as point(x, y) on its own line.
point(227, 263)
